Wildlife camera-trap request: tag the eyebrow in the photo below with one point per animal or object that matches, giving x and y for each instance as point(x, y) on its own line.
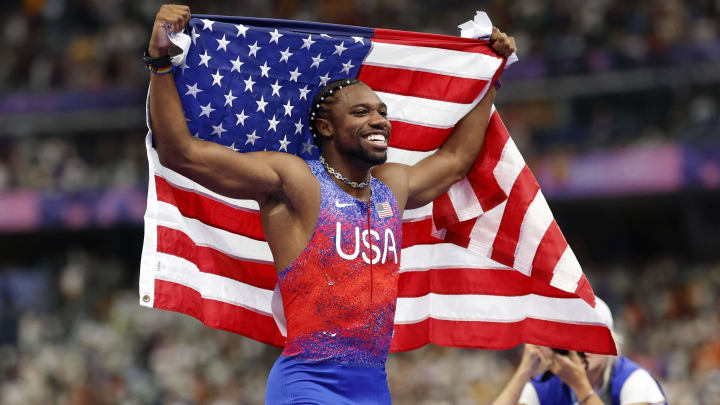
point(366, 105)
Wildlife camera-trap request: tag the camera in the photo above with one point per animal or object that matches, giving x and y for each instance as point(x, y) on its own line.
point(548, 374)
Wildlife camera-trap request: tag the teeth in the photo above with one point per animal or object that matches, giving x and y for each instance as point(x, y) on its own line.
point(373, 138)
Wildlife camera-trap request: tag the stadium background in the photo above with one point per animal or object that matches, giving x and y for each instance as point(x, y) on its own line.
point(614, 105)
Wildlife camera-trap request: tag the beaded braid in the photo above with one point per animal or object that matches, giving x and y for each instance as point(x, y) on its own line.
point(322, 99)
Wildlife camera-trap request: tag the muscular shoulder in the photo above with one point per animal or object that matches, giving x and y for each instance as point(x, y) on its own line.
point(396, 177)
point(296, 179)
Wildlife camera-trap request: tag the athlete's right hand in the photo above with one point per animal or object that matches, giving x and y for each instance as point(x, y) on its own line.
point(170, 18)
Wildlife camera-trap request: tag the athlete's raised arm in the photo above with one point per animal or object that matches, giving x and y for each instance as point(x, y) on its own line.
point(255, 175)
point(434, 175)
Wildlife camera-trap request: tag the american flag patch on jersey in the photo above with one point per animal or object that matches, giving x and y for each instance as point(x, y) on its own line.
point(383, 209)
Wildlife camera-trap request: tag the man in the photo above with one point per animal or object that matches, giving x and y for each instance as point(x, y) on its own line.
point(333, 225)
point(585, 378)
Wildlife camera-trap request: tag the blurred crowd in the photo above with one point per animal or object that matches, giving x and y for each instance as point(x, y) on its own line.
point(73, 333)
point(60, 164)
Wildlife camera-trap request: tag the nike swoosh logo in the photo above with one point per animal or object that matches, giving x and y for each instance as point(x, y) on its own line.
point(341, 205)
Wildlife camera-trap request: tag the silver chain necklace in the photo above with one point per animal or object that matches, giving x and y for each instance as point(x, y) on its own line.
point(343, 179)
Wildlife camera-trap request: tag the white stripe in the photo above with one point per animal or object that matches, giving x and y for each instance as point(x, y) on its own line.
point(183, 182)
point(444, 256)
point(407, 157)
point(567, 272)
point(509, 166)
point(212, 286)
point(493, 308)
point(418, 214)
point(534, 225)
point(148, 258)
point(485, 229)
point(464, 201)
point(231, 244)
point(435, 60)
point(423, 111)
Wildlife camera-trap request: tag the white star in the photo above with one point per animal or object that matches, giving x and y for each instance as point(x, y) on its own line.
point(294, 75)
point(272, 123)
point(308, 147)
point(218, 130)
point(276, 88)
point(304, 92)
point(324, 79)
point(222, 44)
point(249, 84)
point(283, 144)
point(216, 78)
point(196, 135)
point(206, 110)
point(298, 126)
point(264, 70)
point(229, 98)
point(316, 61)
point(339, 49)
point(241, 30)
point(347, 66)
point(251, 138)
point(286, 54)
point(207, 24)
point(307, 42)
point(288, 108)
point(236, 64)
point(193, 90)
point(195, 36)
point(275, 36)
point(233, 148)
point(253, 49)
point(241, 118)
point(359, 39)
point(261, 104)
point(204, 59)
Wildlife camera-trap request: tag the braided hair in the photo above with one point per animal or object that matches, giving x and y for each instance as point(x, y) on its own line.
point(323, 100)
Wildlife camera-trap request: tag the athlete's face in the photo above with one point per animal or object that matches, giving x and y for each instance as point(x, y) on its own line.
point(360, 125)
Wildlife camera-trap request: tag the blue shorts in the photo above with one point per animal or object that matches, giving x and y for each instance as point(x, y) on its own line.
point(324, 383)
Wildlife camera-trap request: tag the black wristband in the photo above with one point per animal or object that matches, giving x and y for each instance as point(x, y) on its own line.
point(156, 65)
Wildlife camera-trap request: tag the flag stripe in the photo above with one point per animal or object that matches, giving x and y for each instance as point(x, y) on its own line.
point(432, 41)
point(209, 260)
point(416, 137)
point(506, 282)
point(217, 314)
point(503, 335)
point(423, 84)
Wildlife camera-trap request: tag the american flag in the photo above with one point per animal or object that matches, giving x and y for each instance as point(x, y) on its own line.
point(485, 265)
point(383, 209)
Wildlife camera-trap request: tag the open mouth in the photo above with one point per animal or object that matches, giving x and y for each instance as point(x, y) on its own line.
point(377, 139)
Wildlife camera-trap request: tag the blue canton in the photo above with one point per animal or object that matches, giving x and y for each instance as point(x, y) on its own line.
point(249, 88)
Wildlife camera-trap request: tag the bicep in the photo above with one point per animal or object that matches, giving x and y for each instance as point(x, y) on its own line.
point(252, 175)
point(429, 178)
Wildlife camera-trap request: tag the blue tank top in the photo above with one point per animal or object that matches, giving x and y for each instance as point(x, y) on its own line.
point(555, 392)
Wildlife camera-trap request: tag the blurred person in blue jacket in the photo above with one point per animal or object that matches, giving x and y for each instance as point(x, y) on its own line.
point(557, 377)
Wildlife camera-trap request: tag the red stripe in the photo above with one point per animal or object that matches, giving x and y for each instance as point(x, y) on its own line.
point(208, 260)
point(585, 291)
point(481, 175)
point(551, 247)
point(416, 83)
point(418, 233)
point(503, 336)
point(444, 213)
point(522, 194)
point(417, 137)
point(216, 314)
point(433, 41)
point(473, 281)
point(210, 211)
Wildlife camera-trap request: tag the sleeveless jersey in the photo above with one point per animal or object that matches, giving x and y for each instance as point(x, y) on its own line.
point(339, 294)
point(555, 392)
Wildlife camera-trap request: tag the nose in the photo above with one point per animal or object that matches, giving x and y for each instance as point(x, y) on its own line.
point(377, 120)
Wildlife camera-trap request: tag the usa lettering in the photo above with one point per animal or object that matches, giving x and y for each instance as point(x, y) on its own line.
point(372, 251)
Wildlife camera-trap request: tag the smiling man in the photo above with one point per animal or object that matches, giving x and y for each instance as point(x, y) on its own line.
point(333, 225)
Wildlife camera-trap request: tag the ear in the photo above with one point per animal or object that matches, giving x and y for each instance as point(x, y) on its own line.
point(324, 128)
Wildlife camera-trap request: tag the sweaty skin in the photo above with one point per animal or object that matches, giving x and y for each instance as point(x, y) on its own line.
point(282, 184)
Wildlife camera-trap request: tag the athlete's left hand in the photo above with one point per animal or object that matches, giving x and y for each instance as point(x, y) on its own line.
point(501, 43)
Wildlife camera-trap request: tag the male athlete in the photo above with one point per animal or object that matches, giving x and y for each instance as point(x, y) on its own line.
point(333, 225)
